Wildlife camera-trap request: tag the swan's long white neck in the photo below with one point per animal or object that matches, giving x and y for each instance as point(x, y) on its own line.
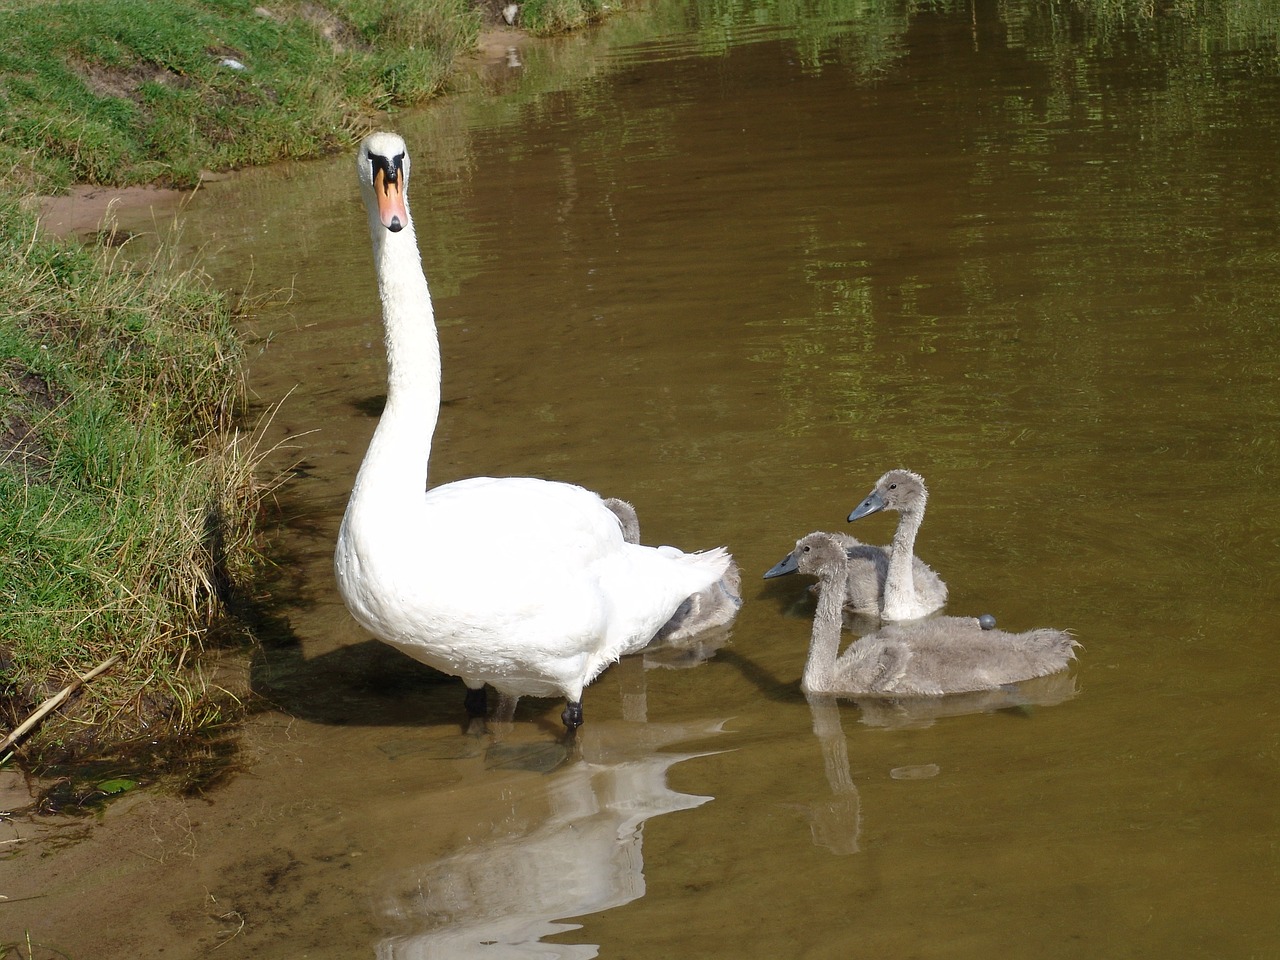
point(899, 581)
point(395, 467)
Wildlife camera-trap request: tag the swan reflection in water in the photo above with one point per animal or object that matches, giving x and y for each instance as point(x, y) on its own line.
point(499, 898)
point(836, 823)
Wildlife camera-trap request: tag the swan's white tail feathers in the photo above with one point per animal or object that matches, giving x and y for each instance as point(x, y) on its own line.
point(717, 560)
point(715, 606)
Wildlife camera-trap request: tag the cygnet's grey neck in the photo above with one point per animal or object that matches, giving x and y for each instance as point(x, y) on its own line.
point(824, 646)
point(899, 584)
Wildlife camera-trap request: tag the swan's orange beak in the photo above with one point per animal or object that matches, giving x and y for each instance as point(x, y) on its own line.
point(390, 193)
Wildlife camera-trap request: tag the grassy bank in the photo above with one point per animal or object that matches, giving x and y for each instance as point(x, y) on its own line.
point(127, 496)
point(130, 91)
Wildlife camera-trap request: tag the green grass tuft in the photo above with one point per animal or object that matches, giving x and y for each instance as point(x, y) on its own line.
point(129, 91)
point(126, 496)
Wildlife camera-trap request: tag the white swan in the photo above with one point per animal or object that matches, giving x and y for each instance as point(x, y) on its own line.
point(927, 658)
point(418, 570)
point(910, 589)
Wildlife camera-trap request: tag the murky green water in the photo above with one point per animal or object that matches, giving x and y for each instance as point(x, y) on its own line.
point(732, 265)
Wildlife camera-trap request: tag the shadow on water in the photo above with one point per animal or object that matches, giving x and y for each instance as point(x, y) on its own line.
point(365, 683)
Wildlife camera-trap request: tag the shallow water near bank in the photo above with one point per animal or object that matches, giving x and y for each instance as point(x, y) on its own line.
point(733, 268)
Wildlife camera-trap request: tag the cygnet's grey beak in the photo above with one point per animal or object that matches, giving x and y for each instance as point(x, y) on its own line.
point(873, 504)
point(784, 566)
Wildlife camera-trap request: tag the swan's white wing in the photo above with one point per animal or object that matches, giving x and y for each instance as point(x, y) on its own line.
point(517, 580)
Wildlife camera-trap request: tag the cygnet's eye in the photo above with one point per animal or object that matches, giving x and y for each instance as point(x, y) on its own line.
point(893, 486)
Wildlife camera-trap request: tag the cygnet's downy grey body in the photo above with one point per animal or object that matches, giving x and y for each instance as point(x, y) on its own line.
point(925, 658)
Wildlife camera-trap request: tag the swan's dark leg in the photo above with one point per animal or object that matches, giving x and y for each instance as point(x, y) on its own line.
point(572, 716)
point(476, 702)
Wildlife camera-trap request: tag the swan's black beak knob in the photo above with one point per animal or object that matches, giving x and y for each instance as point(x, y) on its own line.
point(388, 188)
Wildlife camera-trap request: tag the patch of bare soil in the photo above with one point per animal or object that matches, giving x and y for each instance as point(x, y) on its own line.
point(21, 445)
point(340, 34)
point(83, 211)
point(123, 82)
point(495, 43)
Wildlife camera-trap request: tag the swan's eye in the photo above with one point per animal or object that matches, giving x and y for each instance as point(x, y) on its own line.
point(893, 486)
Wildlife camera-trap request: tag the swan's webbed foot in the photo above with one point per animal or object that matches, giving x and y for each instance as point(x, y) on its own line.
point(477, 703)
point(572, 716)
